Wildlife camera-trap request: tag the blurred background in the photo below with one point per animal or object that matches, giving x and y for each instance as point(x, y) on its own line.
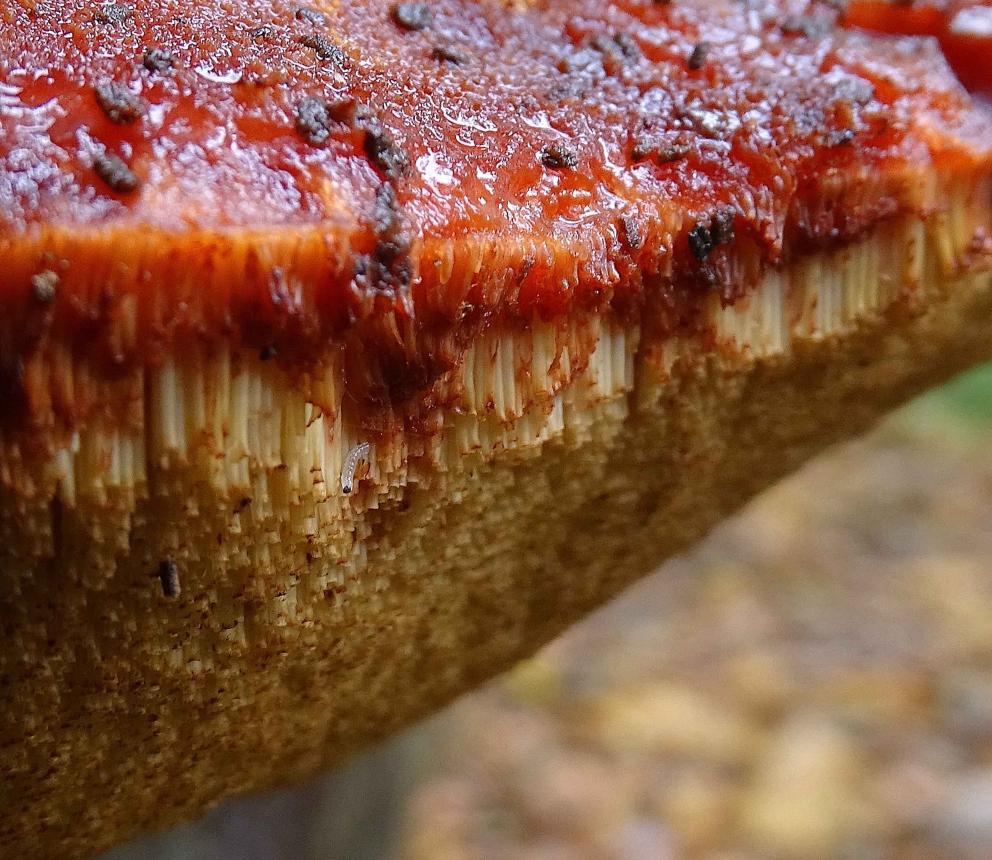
point(814, 681)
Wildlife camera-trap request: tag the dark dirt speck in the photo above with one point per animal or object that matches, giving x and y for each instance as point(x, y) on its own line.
point(558, 156)
point(119, 103)
point(112, 170)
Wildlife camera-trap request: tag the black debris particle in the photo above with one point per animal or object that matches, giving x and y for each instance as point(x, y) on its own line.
point(112, 170)
point(705, 238)
point(386, 213)
point(44, 286)
point(119, 103)
point(387, 269)
point(384, 152)
point(324, 49)
point(263, 33)
point(267, 353)
point(313, 120)
point(412, 16)
point(115, 14)
point(449, 54)
point(387, 220)
point(630, 233)
point(168, 575)
point(157, 60)
point(559, 156)
point(701, 242)
point(310, 15)
point(700, 53)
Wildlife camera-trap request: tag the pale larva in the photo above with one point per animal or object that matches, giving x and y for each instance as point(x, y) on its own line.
point(355, 456)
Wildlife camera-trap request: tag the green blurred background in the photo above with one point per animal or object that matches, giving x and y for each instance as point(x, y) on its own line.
point(814, 681)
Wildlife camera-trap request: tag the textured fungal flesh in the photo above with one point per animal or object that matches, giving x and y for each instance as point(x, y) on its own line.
point(260, 162)
point(351, 350)
point(963, 28)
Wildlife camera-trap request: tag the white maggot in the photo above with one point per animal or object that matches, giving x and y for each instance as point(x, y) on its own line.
point(355, 456)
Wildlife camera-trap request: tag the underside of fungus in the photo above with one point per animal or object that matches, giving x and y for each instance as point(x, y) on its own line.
point(242, 545)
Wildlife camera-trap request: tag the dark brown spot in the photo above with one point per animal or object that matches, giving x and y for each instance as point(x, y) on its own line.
point(313, 120)
point(386, 214)
point(705, 238)
point(112, 170)
point(44, 285)
point(310, 15)
point(115, 14)
point(700, 53)
point(168, 575)
point(157, 60)
point(412, 16)
point(558, 156)
point(700, 242)
point(324, 49)
point(268, 352)
point(449, 55)
point(387, 269)
point(242, 504)
point(384, 153)
point(119, 103)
